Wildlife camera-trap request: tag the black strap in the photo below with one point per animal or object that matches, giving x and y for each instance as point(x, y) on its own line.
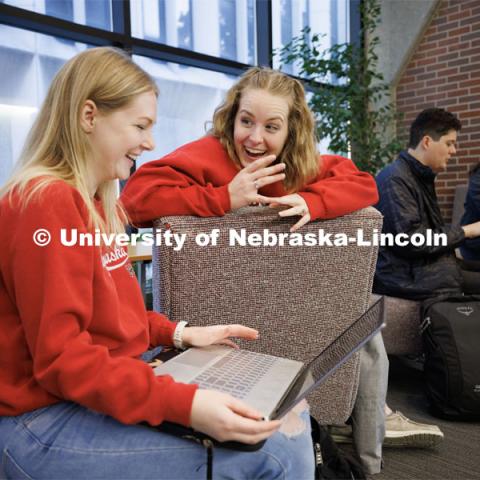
point(208, 444)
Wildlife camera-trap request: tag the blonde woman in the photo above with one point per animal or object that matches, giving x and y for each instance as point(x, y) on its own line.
point(261, 149)
point(74, 383)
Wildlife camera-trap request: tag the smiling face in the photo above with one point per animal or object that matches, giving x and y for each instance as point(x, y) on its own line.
point(438, 152)
point(118, 138)
point(261, 125)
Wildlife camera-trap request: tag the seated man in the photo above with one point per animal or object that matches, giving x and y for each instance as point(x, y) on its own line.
point(470, 249)
point(409, 205)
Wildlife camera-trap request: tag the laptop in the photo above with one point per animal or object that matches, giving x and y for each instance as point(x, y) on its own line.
point(272, 385)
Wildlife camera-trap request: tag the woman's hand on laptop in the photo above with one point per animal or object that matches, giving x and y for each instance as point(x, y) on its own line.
point(216, 334)
point(224, 418)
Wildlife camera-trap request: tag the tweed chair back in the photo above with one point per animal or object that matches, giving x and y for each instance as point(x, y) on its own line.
point(300, 298)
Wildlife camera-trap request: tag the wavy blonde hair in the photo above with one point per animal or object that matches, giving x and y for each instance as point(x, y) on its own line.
point(299, 152)
point(57, 147)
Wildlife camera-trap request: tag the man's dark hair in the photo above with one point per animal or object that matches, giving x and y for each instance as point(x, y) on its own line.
point(434, 122)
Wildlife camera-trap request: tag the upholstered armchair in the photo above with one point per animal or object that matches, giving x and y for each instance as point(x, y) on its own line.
point(300, 298)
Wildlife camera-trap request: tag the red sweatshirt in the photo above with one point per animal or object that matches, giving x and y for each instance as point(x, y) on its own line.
point(193, 180)
point(73, 323)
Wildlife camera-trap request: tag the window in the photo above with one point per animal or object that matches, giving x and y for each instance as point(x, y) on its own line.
point(32, 59)
point(328, 17)
point(221, 28)
point(188, 97)
point(195, 49)
point(95, 13)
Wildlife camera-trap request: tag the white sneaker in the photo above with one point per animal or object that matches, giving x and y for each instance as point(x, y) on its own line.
point(400, 431)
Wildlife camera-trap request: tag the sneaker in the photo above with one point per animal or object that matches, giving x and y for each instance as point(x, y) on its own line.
point(341, 433)
point(403, 432)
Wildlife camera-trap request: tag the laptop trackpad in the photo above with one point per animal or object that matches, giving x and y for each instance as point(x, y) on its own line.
point(189, 364)
point(195, 357)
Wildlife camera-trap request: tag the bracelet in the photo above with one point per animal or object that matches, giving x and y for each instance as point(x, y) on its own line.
point(178, 335)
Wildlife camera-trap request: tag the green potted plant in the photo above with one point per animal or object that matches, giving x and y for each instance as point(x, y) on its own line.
point(347, 92)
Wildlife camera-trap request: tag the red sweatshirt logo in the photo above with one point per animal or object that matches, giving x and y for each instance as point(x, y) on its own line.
point(115, 258)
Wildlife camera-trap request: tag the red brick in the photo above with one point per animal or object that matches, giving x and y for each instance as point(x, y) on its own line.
point(426, 61)
point(471, 51)
point(459, 31)
point(438, 81)
point(448, 87)
point(447, 72)
point(449, 9)
point(461, 77)
point(463, 107)
point(438, 36)
point(475, 35)
point(416, 71)
point(461, 61)
point(449, 176)
point(449, 42)
point(469, 144)
point(471, 20)
point(457, 168)
point(470, 83)
point(427, 76)
point(428, 46)
point(448, 27)
point(460, 47)
point(448, 56)
point(435, 97)
point(422, 92)
point(467, 4)
point(470, 68)
point(406, 94)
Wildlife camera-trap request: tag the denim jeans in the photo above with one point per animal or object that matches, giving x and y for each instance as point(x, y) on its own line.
point(66, 440)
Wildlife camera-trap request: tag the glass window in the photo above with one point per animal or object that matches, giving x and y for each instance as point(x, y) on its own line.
point(94, 13)
point(188, 98)
point(289, 17)
point(221, 28)
point(32, 59)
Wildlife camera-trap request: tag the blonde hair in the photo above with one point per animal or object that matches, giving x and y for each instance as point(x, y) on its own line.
point(299, 152)
point(57, 147)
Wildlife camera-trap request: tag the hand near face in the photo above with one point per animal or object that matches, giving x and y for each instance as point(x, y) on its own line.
point(226, 418)
point(217, 334)
point(298, 206)
point(243, 189)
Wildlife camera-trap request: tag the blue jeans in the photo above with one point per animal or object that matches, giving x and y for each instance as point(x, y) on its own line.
point(66, 440)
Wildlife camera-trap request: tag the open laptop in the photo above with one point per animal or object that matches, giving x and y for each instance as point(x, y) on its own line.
point(272, 385)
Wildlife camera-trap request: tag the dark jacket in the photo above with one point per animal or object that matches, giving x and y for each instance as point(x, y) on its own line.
point(471, 247)
point(409, 205)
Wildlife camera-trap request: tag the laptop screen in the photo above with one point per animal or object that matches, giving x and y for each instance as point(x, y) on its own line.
point(333, 356)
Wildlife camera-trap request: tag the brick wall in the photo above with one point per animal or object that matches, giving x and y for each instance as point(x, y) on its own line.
point(444, 71)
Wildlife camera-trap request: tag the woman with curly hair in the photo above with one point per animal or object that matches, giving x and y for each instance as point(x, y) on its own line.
point(261, 149)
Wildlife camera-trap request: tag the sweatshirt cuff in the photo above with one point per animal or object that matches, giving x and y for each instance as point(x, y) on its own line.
point(161, 329)
point(315, 205)
point(178, 403)
point(224, 197)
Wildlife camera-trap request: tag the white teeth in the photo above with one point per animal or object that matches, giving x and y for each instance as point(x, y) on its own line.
point(255, 152)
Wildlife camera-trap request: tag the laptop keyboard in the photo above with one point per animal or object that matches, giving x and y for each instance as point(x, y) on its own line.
point(235, 373)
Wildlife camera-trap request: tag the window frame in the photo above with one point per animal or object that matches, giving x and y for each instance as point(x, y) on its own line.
point(121, 36)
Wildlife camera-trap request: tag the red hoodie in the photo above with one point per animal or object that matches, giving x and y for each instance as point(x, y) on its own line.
point(72, 320)
point(193, 180)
